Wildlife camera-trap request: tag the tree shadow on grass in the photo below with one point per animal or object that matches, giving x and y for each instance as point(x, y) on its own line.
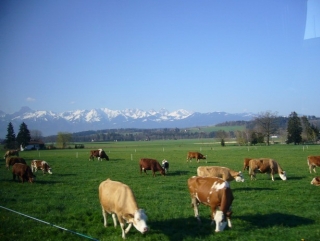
point(275, 219)
point(182, 228)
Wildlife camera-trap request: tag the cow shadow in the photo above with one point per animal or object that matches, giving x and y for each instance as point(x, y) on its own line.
point(45, 181)
point(177, 173)
point(116, 159)
point(245, 189)
point(275, 219)
point(190, 226)
point(295, 178)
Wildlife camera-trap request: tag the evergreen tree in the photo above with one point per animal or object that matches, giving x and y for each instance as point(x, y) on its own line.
point(10, 141)
point(294, 129)
point(23, 137)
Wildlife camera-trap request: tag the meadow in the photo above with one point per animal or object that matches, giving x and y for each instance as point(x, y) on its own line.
point(262, 209)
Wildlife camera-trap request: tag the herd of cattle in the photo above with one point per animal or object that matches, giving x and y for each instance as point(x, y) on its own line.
point(210, 187)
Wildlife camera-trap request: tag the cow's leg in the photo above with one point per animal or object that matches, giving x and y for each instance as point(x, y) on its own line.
point(272, 175)
point(213, 214)
point(128, 228)
point(114, 220)
point(194, 204)
point(104, 214)
point(314, 169)
point(122, 221)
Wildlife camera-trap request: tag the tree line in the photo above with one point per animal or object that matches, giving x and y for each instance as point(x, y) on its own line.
point(261, 129)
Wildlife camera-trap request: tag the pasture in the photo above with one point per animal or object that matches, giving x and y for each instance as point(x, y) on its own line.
point(262, 209)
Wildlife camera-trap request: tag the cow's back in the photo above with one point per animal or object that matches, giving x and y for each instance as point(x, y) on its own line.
point(147, 163)
point(314, 160)
point(214, 171)
point(210, 190)
point(116, 197)
point(10, 161)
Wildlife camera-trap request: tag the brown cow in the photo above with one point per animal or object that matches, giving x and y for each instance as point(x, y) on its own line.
point(100, 154)
point(196, 155)
point(11, 153)
point(266, 165)
point(39, 164)
point(10, 161)
point(118, 199)
point(222, 172)
point(313, 162)
point(213, 192)
point(246, 163)
point(150, 164)
point(23, 171)
point(316, 181)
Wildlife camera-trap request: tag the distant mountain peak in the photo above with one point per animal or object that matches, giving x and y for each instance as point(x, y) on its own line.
point(50, 123)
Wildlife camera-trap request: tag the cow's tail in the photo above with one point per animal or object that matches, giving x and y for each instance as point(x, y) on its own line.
point(225, 206)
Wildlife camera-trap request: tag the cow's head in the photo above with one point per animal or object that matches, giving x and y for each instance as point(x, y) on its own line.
point(139, 220)
point(47, 167)
point(316, 181)
point(283, 175)
point(31, 177)
point(220, 220)
point(239, 177)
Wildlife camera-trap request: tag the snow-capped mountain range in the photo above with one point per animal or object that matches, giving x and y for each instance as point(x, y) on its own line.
point(50, 123)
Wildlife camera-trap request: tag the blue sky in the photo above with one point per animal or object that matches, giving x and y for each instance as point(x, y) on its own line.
point(232, 56)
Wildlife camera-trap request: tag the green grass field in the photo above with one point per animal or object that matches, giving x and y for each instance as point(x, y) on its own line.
point(262, 209)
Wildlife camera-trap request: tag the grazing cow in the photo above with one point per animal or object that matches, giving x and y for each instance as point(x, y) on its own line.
point(213, 192)
point(118, 199)
point(150, 164)
point(246, 163)
point(100, 154)
point(165, 165)
point(316, 181)
point(223, 172)
point(39, 164)
point(23, 171)
point(10, 161)
point(196, 155)
point(11, 153)
point(266, 165)
point(313, 162)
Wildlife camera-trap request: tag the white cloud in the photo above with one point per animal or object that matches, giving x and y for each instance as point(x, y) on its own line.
point(30, 99)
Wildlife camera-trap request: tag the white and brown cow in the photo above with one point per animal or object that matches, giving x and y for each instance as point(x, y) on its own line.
point(40, 164)
point(196, 155)
point(100, 154)
point(118, 199)
point(11, 153)
point(313, 162)
point(215, 193)
point(225, 173)
point(266, 165)
point(316, 181)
